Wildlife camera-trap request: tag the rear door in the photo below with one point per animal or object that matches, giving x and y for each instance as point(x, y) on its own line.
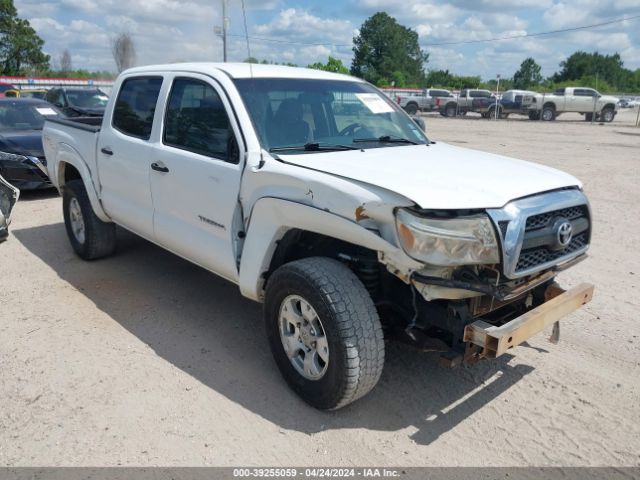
point(125, 151)
point(196, 185)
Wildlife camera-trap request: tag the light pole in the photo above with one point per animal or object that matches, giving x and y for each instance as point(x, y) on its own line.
point(497, 92)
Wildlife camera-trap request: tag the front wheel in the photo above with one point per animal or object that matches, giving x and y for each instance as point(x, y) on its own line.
point(607, 115)
point(90, 237)
point(324, 332)
point(548, 114)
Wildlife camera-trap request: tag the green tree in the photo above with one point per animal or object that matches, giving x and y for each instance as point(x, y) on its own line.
point(20, 46)
point(528, 75)
point(333, 65)
point(251, 60)
point(606, 68)
point(385, 47)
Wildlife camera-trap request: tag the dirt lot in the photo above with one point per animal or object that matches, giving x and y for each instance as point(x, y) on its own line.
point(145, 359)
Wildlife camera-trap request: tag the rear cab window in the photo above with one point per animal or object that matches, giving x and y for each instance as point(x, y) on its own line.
point(136, 105)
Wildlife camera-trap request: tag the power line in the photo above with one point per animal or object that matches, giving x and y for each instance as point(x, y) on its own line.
point(539, 34)
point(463, 42)
point(291, 42)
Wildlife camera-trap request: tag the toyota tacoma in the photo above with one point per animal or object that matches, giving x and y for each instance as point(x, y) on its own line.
point(348, 224)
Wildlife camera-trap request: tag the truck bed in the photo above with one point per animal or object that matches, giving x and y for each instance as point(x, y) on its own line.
point(79, 135)
point(89, 124)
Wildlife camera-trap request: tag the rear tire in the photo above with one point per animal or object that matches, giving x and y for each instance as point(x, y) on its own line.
point(411, 109)
point(330, 300)
point(588, 117)
point(90, 237)
point(450, 111)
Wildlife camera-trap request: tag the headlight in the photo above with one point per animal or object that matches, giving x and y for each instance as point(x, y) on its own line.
point(447, 242)
point(33, 161)
point(12, 157)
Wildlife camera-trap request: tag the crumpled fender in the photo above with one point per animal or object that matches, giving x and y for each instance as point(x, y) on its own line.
point(270, 220)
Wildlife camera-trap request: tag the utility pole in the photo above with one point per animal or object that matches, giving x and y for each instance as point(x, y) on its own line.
point(225, 22)
point(222, 31)
point(497, 93)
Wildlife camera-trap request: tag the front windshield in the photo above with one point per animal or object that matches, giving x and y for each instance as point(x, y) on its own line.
point(18, 116)
point(87, 98)
point(296, 112)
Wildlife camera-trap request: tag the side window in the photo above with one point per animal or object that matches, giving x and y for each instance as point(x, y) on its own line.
point(56, 98)
point(559, 91)
point(197, 121)
point(136, 105)
point(579, 92)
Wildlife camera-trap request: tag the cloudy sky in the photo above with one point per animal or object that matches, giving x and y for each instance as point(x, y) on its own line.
point(307, 31)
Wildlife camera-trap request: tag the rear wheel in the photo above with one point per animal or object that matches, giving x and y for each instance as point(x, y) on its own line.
point(90, 237)
point(324, 332)
point(450, 111)
point(411, 109)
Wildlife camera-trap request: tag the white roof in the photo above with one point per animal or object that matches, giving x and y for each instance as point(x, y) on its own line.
point(246, 70)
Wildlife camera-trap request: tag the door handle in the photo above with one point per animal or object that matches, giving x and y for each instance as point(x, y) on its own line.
point(159, 168)
point(106, 151)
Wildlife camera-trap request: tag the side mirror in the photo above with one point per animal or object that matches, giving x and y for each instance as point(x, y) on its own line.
point(420, 122)
point(59, 104)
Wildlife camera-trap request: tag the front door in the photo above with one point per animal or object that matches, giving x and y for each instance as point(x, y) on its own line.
point(124, 152)
point(196, 179)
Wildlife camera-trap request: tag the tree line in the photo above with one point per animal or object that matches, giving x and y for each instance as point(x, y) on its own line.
point(388, 54)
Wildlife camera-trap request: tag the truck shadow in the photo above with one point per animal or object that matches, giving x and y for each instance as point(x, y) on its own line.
point(202, 325)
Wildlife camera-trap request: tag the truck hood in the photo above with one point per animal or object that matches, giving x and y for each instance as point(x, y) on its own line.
point(608, 99)
point(440, 176)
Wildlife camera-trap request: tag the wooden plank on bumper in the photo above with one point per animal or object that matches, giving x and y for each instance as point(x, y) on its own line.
point(494, 341)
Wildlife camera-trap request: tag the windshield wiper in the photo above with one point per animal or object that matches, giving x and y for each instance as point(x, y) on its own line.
point(314, 147)
point(385, 139)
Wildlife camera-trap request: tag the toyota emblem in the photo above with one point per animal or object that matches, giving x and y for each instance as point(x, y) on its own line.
point(564, 234)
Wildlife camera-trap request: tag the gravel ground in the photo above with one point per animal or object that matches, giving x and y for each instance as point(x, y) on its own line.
point(145, 359)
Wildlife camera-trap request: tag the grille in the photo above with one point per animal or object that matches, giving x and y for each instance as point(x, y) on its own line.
point(538, 256)
point(542, 220)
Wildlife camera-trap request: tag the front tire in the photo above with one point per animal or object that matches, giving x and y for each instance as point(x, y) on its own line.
point(90, 237)
point(548, 114)
point(324, 332)
point(607, 115)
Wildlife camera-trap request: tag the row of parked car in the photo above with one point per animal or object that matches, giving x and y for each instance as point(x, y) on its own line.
point(586, 101)
point(22, 115)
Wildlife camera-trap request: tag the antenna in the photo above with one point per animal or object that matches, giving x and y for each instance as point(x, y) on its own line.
point(246, 35)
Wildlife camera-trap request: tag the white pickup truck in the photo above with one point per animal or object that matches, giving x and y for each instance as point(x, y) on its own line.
point(349, 224)
point(586, 101)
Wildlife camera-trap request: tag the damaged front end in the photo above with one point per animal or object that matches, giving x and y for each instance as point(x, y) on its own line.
point(489, 278)
point(8, 198)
